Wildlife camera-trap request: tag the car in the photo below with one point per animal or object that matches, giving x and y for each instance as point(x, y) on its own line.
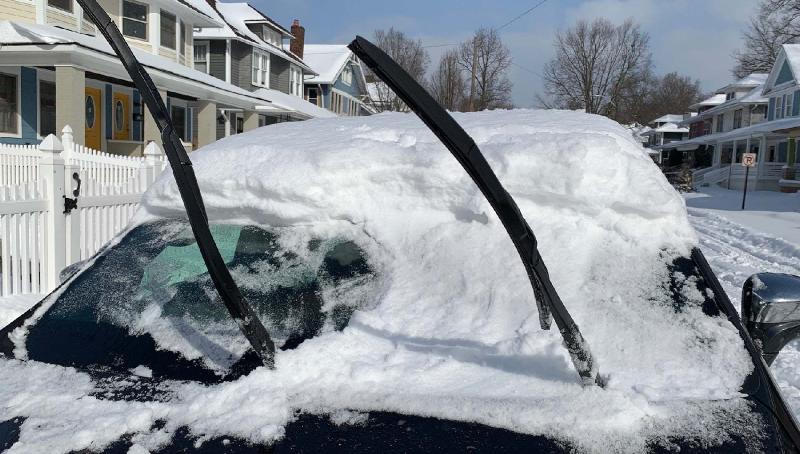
point(386, 307)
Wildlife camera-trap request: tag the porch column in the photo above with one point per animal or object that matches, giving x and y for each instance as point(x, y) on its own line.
point(250, 120)
point(206, 123)
point(151, 132)
point(71, 101)
point(717, 159)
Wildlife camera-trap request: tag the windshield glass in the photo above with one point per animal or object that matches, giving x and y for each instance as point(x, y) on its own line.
point(150, 301)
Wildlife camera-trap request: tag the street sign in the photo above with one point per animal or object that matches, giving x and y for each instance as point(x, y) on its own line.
point(749, 160)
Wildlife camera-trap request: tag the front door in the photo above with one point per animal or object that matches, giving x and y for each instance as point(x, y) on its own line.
point(122, 114)
point(94, 121)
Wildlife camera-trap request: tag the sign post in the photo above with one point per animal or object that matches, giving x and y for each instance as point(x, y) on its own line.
point(748, 160)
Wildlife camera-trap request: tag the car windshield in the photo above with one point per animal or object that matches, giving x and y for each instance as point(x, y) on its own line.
point(149, 301)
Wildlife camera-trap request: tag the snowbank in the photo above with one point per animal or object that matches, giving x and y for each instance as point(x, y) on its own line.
point(455, 332)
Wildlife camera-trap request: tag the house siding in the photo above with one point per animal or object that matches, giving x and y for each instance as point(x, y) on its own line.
point(796, 104)
point(217, 59)
point(279, 74)
point(136, 126)
point(352, 89)
point(241, 65)
point(14, 10)
point(61, 19)
point(109, 110)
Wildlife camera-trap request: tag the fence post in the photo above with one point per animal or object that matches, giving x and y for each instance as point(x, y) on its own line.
point(51, 167)
point(72, 223)
point(152, 164)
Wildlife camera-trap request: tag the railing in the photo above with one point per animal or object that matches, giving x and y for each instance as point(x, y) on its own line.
point(719, 174)
point(37, 237)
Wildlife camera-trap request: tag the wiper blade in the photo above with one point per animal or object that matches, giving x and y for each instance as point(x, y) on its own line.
point(465, 150)
point(241, 311)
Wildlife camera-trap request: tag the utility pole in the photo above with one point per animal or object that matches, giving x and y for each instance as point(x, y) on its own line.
point(474, 72)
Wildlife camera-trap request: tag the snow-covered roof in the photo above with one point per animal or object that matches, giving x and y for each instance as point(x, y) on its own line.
point(713, 100)
point(792, 52)
point(669, 118)
point(764, 127)
point(294, 103)
point(327, 60)
point(750, 81)
point(235, 17)
point(202, 7)
point(754, 96)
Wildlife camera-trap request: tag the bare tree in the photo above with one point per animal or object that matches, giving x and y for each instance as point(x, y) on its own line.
point(777, 23)
point(486, 60)
point(410, 55)
point(672, 94)
point(447, 83)
point(598, 66)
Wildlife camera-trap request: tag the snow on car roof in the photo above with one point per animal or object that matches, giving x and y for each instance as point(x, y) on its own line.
point(455, 333)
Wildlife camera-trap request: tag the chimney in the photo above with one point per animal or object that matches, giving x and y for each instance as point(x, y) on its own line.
point(213, 3)
point(299, 40)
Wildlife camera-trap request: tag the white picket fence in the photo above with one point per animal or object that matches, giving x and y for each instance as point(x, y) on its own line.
point(37, 238)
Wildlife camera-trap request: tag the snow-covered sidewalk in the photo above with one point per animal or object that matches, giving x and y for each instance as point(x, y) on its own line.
point(737, 244)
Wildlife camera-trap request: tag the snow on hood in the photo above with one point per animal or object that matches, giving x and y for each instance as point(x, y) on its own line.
point(455, 333)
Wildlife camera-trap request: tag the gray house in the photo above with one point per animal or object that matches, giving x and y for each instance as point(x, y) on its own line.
point(339, 85)
point(248, 52)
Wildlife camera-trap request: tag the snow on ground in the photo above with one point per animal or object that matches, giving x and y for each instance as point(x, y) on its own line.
point(763, 238)
point(12, 307)
point(454, 333)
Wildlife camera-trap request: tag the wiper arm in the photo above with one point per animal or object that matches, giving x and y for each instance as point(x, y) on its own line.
point(469, 156)
point(241, 311)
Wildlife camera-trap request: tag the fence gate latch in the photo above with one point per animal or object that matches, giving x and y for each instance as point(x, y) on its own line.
point(71, 204)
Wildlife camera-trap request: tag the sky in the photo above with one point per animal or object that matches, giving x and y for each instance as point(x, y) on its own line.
point(694, 37)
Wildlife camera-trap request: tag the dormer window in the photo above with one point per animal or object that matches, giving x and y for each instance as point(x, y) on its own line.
point(168, 30)
point(729, 96)
point(134, 19)
point(271, 36)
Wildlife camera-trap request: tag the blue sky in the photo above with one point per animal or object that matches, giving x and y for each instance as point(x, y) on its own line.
point(693, 37)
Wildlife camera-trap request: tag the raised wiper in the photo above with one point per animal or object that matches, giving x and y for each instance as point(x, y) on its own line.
point(241, 311)
point(469, 156)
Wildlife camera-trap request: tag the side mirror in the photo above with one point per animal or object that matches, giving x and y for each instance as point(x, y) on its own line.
point(771, 311)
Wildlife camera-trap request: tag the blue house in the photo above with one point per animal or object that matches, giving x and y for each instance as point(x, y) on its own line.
point(340, 85)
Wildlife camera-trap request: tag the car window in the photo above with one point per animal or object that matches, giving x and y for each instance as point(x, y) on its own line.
point(149, 301)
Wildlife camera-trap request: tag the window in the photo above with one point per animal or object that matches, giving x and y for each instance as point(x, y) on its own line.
point(347, 76)
point(336, 102)
point(296, 81)
point(260, 69)
point(788, 104)
point(65, 5)
point(183, 39)
point(179, 120)
point(134, 19)
point(720, 122)
point(201, 57)
point(313, 96)
point(9, 119)
point(168, 24)
point(729, 96)
point(271, 36)
point(47, 108)
point(737, 119)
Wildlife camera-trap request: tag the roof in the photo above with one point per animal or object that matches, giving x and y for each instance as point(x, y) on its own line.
point(666, 127)
point(765, 127)
point(750, 81)
point(669, 118)
point(713, 100)
point(295, 104)
point(327, 60)
point(202, 7)
point(235, 17)
point(754, 96)
point(14, 34)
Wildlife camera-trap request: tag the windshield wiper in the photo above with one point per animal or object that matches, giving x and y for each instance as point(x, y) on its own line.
point(469, 156)
point(241, 311)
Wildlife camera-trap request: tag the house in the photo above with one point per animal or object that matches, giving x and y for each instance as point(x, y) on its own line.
point(340, 85)
point(55, 70)
point(248, 52)
point(661, 131)
point(760, 115)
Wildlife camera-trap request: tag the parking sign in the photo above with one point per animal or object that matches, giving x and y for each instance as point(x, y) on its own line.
point(749, 160)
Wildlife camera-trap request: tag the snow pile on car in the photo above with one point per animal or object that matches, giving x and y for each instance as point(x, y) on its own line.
point(455, 332)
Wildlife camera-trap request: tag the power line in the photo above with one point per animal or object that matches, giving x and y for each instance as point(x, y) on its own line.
point(528, 11)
